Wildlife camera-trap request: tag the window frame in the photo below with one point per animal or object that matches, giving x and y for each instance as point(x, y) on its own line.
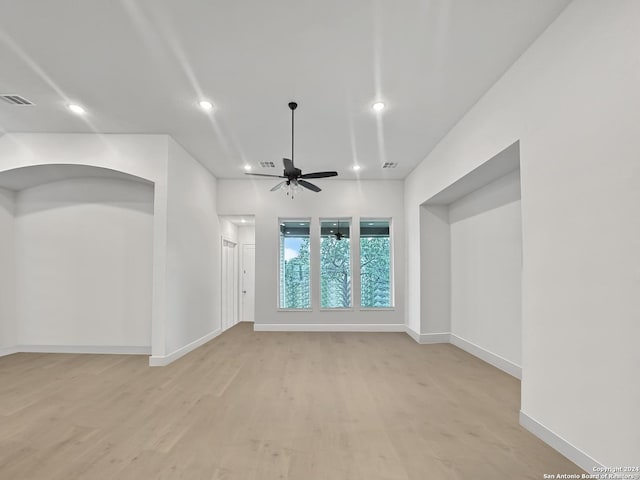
point(279, 307)
point(350, 221)
point(392, 282)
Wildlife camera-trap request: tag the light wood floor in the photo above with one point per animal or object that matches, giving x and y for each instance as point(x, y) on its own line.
point(248, 405)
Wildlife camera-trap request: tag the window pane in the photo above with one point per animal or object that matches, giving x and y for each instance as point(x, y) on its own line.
point(335, 264)
point(375, 264)
point(295, 291)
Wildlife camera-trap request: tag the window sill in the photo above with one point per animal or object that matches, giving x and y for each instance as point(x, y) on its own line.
point(337, 309)
point(377, 309)
point(295, 310)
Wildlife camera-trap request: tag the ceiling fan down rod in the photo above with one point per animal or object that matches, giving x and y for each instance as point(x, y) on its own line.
point(292, 106)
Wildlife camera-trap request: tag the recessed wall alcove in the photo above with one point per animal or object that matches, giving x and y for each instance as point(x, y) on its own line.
point(77, 246)
point(471, 262)
point(184, 251)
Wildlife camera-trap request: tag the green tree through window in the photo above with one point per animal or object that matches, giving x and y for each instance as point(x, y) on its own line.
point(375, 264)
point(295, 291)
point(335, 265)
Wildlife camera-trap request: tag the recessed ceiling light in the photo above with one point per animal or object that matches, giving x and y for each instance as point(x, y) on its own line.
point(356, 168)
point(378, 106)
point(247, 167)
point(371, 224)
point(288, 232)
point(330, 231)
point(243, 220)
point(205, 105)
point(335, 224)
point(77, 109)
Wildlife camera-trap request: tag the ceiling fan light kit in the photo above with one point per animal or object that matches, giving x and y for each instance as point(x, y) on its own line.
point(294, 180)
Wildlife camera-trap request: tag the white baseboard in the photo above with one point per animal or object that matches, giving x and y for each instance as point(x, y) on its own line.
point(164, 360)
point(428, 338)
point(9, 350)
point(92, 349)
point(491, 358)
point(558, 443)
point(326, 327)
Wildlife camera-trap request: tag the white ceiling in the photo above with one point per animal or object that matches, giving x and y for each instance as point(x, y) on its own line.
point(140, 66)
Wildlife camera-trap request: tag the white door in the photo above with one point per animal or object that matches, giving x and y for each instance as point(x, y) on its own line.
point(248, 282)
point(229, 282)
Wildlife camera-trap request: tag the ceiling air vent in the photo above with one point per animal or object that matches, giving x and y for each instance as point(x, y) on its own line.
point(267, 165)
point(389, 164)
point(15, 99)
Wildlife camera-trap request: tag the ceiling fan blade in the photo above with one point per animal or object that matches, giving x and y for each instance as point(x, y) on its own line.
point(319, 175)
point(265, 175)
point(288, 166)
point(279, 186)
point(309, 185)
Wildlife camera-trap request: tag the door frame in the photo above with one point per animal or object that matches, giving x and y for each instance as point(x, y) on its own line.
point(241, 282)
point(225, 324)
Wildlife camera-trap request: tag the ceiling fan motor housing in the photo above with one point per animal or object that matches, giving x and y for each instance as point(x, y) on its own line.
point(295, 173)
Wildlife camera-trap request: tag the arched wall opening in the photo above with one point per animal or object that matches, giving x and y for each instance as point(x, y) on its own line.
point(78, 260)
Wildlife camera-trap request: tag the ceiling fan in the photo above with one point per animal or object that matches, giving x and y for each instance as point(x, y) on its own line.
point(339, 236)
point(293, 177)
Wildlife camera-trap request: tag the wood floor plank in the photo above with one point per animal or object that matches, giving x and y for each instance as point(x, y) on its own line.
point(269, 405)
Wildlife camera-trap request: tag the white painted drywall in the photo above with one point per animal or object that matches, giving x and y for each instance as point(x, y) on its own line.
point(193, 251)
point(185, 228)
point(486, 268)
point(228, 230)
point(84, 263)
point(339, 198)
point(144, 156)
point(186, 233)
point(246, 235)
point(573, 102)
point(8, 335)
point(435, 258)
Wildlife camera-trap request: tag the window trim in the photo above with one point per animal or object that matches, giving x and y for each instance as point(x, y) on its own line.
point(350, 220)
point(315, 254)
point(279, 307)
point(392, 286)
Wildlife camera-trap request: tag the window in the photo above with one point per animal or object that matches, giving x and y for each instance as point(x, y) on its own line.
point(375, 264)
point(295, 288)
point(335, 264)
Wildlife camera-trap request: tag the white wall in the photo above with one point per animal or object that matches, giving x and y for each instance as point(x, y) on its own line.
point(8, 335)
point(185, 227)
point(486, 268)
point(193, 252)
point(84, 263)
point(339, 198)
point(144, 156)
point(246, 235)
point(228, 230)
point(435, 268)
point(573, 102)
